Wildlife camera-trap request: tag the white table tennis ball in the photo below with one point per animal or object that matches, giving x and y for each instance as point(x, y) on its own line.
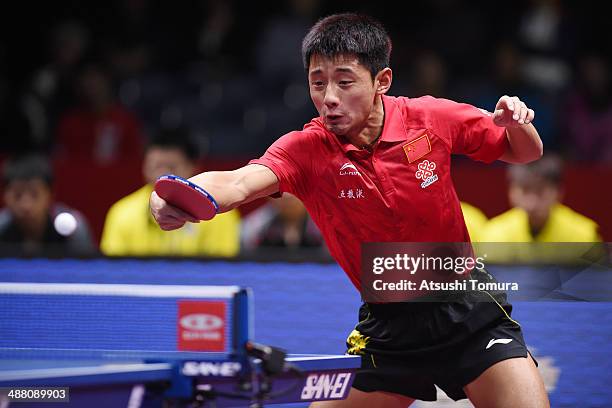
point(65, 223)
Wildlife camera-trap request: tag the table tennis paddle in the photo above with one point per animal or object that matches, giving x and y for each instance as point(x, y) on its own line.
point(187, 196)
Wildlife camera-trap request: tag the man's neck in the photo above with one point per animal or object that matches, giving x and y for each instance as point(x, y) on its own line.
point(370, 134)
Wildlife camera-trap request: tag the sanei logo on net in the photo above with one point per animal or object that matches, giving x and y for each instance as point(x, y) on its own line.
point(201, 326)
point(325, 386)
point(349, 169)
point(211, 368)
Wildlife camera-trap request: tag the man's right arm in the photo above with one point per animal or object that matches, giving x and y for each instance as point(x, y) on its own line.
point(229, 188)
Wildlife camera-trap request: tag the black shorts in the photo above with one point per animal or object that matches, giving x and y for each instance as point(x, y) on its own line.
point(407, 348)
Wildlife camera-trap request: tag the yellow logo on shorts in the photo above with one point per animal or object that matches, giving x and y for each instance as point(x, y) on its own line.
point(356, 342)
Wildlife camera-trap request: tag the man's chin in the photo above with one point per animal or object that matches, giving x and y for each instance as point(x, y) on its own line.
point(336, 129)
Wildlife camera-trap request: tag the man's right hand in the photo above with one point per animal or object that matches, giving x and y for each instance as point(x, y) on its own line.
point(167, 216)
point(230, 189)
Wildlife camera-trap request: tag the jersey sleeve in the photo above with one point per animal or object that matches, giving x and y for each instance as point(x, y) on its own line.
point(469, 130)
point(291, 159)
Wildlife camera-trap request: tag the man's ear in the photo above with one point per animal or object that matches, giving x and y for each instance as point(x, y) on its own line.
point(383, 80)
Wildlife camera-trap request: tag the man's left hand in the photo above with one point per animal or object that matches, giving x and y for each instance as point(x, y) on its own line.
point(511, 112)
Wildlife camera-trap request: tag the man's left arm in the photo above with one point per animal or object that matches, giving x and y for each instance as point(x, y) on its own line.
point(524, 143)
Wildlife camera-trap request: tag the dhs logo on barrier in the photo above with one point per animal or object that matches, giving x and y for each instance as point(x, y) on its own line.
point(326, 386)
point(201, 326)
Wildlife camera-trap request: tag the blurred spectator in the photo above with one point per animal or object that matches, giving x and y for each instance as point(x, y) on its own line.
point(218, 21)
point(454, 28)
point(28, 223)
point(475, 220)
point(429, 76)
point(30, 110)
point(538, 216)
point(281, 36)
point(283, 101)
point(508, 78)
point(548, 38)
point(51, 89)
point(282, 223)
point(128, 45)
point(130, 230)
point(587, 117)
point(100, 129)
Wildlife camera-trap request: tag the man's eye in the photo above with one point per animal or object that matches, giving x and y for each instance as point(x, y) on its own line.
point(344, 83)
point(317, 83)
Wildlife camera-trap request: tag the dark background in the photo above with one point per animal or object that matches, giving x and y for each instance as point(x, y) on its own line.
point(230, 72)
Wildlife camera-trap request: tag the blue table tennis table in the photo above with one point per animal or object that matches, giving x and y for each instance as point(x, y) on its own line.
point(183, 379)
point(122, 345)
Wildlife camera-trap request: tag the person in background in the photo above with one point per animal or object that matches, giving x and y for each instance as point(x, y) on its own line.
point(51, 88)
point(475, 220)
point(29, 224)
point(587, 113)
point(99, 129)
point(282, 223)
point(130, 230)
point(537, 215)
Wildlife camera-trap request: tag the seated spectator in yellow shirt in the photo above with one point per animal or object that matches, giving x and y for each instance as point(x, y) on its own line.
point(475, 220)
point(538, 216)
point(130, 230)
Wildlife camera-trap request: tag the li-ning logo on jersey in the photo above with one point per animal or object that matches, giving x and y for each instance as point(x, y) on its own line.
point(349, 169)
point(425, 172)
point(497, 341)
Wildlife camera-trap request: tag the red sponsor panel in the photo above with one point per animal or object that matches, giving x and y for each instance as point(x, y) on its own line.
point(201, 325)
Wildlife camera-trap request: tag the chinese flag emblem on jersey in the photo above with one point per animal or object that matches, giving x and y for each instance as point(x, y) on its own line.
point(417, 148)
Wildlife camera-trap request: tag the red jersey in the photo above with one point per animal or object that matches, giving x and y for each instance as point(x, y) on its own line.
point(402, 191)
point(109, 138)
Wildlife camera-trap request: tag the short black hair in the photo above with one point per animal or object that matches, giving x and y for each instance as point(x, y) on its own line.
point(349, 33)
point(28, 167)
point(175, 138)
point(549, 168)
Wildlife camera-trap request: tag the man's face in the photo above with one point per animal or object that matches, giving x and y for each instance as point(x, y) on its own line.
point(161, 160)
point(536, 197)
point(342, 91)
point(28, 201)
point(94, 88)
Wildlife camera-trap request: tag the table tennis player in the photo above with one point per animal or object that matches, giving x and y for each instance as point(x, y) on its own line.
point(377, 168)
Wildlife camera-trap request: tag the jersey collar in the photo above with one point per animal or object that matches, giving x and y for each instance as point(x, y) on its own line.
point(394, 129)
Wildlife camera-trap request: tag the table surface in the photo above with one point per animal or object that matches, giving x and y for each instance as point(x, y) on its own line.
point(28, 371)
